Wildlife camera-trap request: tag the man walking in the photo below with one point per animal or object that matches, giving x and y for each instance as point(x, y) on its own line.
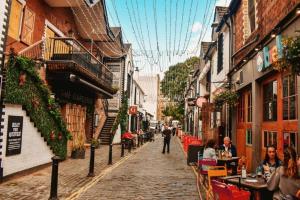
point(167, 137)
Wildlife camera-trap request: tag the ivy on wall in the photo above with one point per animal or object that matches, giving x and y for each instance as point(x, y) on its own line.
point(25, 87)
point(227, 96)
point(122, 117)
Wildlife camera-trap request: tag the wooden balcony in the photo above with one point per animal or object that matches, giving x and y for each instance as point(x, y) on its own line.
point(67, 56)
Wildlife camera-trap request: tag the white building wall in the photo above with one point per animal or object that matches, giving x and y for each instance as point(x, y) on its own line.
point(34, 150)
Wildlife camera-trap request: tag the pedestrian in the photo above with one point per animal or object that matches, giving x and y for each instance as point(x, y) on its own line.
point(167, 138)
point(285, 182)
point(174, 131)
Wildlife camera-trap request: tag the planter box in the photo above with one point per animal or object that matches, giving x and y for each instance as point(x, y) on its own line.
point(78, 154)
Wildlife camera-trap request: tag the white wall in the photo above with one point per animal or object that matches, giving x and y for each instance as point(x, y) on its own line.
point(34, 150)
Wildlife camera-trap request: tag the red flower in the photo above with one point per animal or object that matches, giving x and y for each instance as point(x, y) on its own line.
point(59, 135)
point(52, 135)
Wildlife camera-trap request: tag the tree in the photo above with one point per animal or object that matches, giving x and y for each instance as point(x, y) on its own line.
point(175, 79)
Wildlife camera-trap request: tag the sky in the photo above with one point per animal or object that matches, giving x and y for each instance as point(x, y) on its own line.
point(163, 32)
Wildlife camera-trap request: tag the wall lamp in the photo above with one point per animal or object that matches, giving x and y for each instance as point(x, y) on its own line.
point(298, 11)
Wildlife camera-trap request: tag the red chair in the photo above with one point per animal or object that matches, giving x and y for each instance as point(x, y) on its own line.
point(207, 162)
point(223, 191)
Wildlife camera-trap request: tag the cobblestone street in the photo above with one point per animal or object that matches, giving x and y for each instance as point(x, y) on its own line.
point(148, 174)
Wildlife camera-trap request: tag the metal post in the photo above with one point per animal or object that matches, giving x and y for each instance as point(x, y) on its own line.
point(139, 138)
point(54, 178)
point(1, 171)
point(92, 161)
point(110, 151)
point(129, 145)
point(122, 148)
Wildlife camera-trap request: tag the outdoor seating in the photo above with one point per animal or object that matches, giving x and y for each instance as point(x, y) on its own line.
point(222, 191)
point(213, 172)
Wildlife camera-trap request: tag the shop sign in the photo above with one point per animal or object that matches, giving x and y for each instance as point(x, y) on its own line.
point(133, 110)
point(260, 61)
point(200, 101)
point(14, 135)
point(270, 54)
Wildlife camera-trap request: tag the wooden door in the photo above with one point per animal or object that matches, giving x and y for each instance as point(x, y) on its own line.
point(241, 142)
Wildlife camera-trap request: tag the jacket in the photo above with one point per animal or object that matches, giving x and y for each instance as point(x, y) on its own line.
point(231, 148)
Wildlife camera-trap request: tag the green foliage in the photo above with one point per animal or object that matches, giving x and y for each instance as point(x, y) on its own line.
point(175, 79)
point(226, 96)
point(35, 97)
point(291, 56)
point(175, 111)
point(122, 117)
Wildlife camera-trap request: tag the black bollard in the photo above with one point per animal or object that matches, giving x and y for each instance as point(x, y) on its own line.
point(54, 178)
point(139, 138)
point(92, 161)
point(122, 148)
point(110, 151)
point(129, 142)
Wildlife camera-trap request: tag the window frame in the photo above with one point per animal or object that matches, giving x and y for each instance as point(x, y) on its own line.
point(296, 138)
point(289, 97)
point(266, 141)
point(251, 12)
point(264, 101)
point(249, 107)
point(249, 131)
point(20, 25)
point(220, 54)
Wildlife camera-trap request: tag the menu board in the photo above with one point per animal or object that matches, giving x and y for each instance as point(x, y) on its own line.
point(14, 135)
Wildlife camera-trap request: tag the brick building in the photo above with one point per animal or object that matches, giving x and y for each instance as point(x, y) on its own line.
point(64, 36)
point(267, 112)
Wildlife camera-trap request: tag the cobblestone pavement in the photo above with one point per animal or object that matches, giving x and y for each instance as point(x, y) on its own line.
point(148, 174)
point(72, 176)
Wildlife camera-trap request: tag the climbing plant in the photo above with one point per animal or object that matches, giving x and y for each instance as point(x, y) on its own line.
point(122, 117)
point(290, 57)
point(31, 92)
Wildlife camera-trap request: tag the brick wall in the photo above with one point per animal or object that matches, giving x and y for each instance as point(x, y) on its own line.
point(268, 14)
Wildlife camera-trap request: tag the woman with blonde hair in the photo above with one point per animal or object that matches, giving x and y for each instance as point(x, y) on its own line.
point(286, 181)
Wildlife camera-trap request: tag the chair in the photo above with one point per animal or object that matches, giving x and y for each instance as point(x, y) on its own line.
point(206, 162)
point(223, 191)
point(213, 172)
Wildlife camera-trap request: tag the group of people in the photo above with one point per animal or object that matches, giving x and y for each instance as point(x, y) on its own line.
point(283, 177)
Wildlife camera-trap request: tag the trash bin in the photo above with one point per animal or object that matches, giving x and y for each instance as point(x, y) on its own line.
point(192, 152)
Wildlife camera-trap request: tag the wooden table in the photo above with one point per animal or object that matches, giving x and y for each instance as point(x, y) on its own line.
point(258, 188)
point(227, 161)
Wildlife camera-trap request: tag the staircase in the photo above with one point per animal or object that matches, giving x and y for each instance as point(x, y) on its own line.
point(106, 130)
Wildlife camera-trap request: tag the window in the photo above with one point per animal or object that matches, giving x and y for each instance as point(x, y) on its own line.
point(249, 136)
point(270, 101)
point(289, 97)
point(289, 140)
point(241, 109)
point(252, 14)
point(28, 26)
point(220, 53)
point(15, 19)
point(249, 108)
point(270, 138)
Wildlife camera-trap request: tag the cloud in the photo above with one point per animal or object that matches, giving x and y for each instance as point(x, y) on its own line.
point(196, 27)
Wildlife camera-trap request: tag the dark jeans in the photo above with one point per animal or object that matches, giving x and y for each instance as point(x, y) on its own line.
point(166, 143)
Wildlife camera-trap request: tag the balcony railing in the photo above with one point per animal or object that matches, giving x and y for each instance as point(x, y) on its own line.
point(68, 50)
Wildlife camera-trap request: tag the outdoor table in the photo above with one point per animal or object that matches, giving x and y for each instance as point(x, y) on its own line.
point(224, 160)
point(257, 185)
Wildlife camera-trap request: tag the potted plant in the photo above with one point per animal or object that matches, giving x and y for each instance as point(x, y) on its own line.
point(78, 148)
point(227, 96)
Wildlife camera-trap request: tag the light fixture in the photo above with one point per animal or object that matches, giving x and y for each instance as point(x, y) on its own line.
point(273, 35)
point(245, 60)
point(298, 11)
point(256, 49)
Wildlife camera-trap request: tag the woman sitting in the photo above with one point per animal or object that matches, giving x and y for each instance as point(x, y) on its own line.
point(285, 181)
point(271, 162)
point(209, 152)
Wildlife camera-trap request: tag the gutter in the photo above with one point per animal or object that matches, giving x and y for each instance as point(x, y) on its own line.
point(74, 78)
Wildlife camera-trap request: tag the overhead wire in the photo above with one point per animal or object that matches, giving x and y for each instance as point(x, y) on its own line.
point(175, 26)
point(182, 17)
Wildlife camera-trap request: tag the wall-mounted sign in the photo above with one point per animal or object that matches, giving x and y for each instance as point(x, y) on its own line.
point(272, 54)
point(133, 110)
point(200, 101)
point(14, 135)
point(260, 61)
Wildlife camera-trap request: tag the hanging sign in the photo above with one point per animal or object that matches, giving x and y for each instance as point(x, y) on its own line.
point(200, 101)
point(260, 61)
point(133, 110)
point(14, 135)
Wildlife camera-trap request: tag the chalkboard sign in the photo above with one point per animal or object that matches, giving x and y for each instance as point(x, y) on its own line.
point(14, 135)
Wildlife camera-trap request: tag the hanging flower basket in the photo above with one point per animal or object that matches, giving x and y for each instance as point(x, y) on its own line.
point(226, 97)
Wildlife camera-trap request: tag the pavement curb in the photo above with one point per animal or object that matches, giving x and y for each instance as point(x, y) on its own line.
point(106, 171)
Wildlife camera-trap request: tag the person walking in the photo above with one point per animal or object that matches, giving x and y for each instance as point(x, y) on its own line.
point(167, 138)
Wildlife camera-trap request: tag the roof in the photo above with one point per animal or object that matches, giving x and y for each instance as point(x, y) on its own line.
point(221, 10)
point(116, 31)
point(233, 6)
point(204, 48)
point(127, 46)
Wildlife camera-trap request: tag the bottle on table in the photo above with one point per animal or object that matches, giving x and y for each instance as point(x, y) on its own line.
point(259, 171)
point(244, 172)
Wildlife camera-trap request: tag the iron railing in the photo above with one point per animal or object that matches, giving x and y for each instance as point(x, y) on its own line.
point(68, 49)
